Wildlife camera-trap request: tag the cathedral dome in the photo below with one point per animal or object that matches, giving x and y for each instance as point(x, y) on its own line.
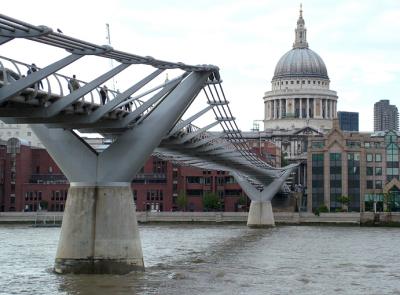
point(300, 62)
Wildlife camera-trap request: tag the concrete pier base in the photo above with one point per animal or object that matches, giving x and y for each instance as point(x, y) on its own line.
point(99, 233)
point(260, 214)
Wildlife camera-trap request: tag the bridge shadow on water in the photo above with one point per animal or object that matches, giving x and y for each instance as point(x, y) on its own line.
point(184, 259)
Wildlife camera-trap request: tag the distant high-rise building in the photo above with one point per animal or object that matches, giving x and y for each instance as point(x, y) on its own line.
point(348, 121)
point(386, 116)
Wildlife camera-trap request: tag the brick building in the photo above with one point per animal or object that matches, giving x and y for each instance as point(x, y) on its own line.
point(29, 178)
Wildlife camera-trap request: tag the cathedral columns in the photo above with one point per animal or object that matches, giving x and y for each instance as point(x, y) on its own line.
point(301, 108)
point(320, 108)
point(334, 109)
point(308, 108)
point(326, 108)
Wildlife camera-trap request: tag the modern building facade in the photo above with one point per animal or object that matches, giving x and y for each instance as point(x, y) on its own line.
point(348, 121)
point(300, 95)
point(361, 166)
point(386, 116)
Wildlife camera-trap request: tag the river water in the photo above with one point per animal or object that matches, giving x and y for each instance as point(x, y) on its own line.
point(223, 259)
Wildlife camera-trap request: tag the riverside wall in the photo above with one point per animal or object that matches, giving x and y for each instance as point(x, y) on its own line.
point(303, 218)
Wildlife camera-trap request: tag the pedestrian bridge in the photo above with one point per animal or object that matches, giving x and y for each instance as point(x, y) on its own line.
point(150, 115)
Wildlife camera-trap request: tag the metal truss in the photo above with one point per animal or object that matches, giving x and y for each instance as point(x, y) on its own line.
point(24, 100)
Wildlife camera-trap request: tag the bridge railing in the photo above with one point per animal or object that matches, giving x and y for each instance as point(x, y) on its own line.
point(56, 85)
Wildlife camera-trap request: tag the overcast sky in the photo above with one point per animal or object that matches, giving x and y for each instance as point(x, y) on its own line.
point(358, 40)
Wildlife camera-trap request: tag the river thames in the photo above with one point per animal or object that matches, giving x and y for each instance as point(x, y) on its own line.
point(220, 259)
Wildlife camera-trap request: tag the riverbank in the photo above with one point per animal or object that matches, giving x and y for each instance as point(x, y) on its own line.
point(302, 218)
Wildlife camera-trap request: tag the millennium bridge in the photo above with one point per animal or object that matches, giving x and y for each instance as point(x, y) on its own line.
point(99, 232)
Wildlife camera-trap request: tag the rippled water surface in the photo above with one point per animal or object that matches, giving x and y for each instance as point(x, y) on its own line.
point(224, 259)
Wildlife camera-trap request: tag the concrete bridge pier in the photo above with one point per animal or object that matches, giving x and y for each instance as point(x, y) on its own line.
point(260, 213)
point(99, 233)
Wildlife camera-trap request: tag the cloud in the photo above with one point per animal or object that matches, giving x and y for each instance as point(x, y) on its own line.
point(358, 41)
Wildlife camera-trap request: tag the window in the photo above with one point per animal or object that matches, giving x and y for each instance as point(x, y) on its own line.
point(335, 161)
point(317, 144)
point(303, 82)
point(309, 82)
point(317, 180)
point(370, 171)
point(378, 158)
point(159, 166)
point(291, 82)
point(369, 157)
point(194, 179)
point(313, 82)
point(353, 180)
point(370, 184)
point(230, 180)
point(378, 184)
point(287, 82)
point(367, 145)
point(378, 170)
point(194, 192)
point(298, 82)
point(50, 169)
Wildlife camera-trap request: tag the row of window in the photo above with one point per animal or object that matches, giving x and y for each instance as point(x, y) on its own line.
point(155, 195)
point(55, 195)
point(302, 82)
point(370, 157)
point(378, 184)
point(370, 171)
point(351, 143)
point(16, 133)
point(209, 180)
point(199, 192)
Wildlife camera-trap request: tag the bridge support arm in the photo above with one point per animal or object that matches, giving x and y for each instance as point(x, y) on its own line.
point(99, 233)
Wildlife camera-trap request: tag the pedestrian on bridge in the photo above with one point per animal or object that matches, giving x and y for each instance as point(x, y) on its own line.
point(33, 68)
point(73, 84)
point(104, 94)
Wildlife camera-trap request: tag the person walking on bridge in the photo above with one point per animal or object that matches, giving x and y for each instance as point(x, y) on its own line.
point(33, 68)
point(73, 84)
point(104, 94)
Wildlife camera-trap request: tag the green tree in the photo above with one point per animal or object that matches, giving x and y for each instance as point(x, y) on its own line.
point(284, 161)
point(345, 201)
point(211, 202)
point(387, 201)
point(44, 204)
point(182, 200)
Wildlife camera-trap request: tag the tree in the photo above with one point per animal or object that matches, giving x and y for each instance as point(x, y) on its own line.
point(345, 201)
point(182, 200)
point(242, 202)
point(284, 161)
point(387, 201)
point(44, 204)
point(211, 202)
